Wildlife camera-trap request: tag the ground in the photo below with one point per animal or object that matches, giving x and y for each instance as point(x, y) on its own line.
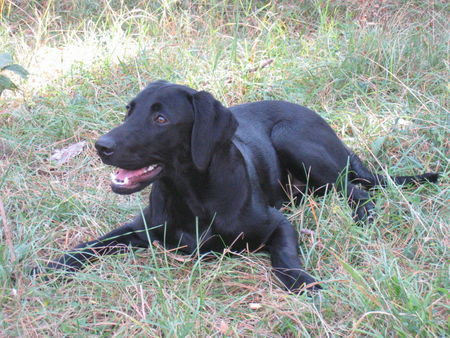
point(376, 70)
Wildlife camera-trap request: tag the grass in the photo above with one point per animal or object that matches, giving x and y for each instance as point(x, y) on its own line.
point(376, 70)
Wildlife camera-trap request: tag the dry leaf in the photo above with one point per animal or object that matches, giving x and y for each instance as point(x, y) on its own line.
point(254, 306)
point(307, 232)
point(61, 156)
point(223, 327)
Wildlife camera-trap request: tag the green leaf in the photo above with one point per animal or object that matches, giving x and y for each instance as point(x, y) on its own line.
point(358, 278)
point(5, 60)
point(354, 273)
point(378, 144)
point(6, 83)
point(19, 70)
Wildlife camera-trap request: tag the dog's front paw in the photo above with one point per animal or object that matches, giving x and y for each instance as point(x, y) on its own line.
point(52, 271)
point(39, 273)
point(306, 282)
point(298, 281)
point(35, 271)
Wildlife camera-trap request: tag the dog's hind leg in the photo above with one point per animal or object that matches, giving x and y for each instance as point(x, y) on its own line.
point(322, 164)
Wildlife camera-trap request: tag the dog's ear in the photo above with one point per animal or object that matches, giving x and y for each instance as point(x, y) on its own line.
point(213, 125)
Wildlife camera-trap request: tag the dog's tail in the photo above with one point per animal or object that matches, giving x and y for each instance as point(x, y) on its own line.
point(359, 174)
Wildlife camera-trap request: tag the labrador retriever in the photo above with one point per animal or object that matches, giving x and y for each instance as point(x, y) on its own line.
point(219, 176)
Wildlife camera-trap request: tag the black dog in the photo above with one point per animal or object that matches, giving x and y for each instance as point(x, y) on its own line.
point(219, 175)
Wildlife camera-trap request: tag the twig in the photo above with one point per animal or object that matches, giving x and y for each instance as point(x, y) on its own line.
point(262, 65)
point(169, 252)
point(7, 232)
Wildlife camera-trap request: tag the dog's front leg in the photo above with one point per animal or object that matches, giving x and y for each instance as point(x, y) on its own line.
point(134, 234)
point(283, 248)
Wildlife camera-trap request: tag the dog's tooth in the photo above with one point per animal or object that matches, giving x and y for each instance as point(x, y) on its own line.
point(113, 176)
point(125, 181)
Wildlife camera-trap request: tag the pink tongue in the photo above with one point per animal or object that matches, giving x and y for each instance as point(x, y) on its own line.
point(123, 173)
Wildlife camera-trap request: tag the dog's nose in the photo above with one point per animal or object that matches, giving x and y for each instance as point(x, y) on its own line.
point(105, 145)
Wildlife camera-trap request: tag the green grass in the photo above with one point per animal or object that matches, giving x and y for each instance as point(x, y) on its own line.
point(376, 70)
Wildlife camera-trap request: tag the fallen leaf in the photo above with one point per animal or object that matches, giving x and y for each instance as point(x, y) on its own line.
point(254, 306)
point(307, 232)
point(61, 156)
point(223, 327)
point(377, 145)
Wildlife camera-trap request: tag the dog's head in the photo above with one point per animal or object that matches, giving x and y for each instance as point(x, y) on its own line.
point(167, 126)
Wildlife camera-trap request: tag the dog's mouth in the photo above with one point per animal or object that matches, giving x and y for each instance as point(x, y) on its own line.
point(129, 181)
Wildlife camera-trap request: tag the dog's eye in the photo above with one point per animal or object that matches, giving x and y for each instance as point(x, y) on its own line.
point(159, 119)
point(129, 107)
